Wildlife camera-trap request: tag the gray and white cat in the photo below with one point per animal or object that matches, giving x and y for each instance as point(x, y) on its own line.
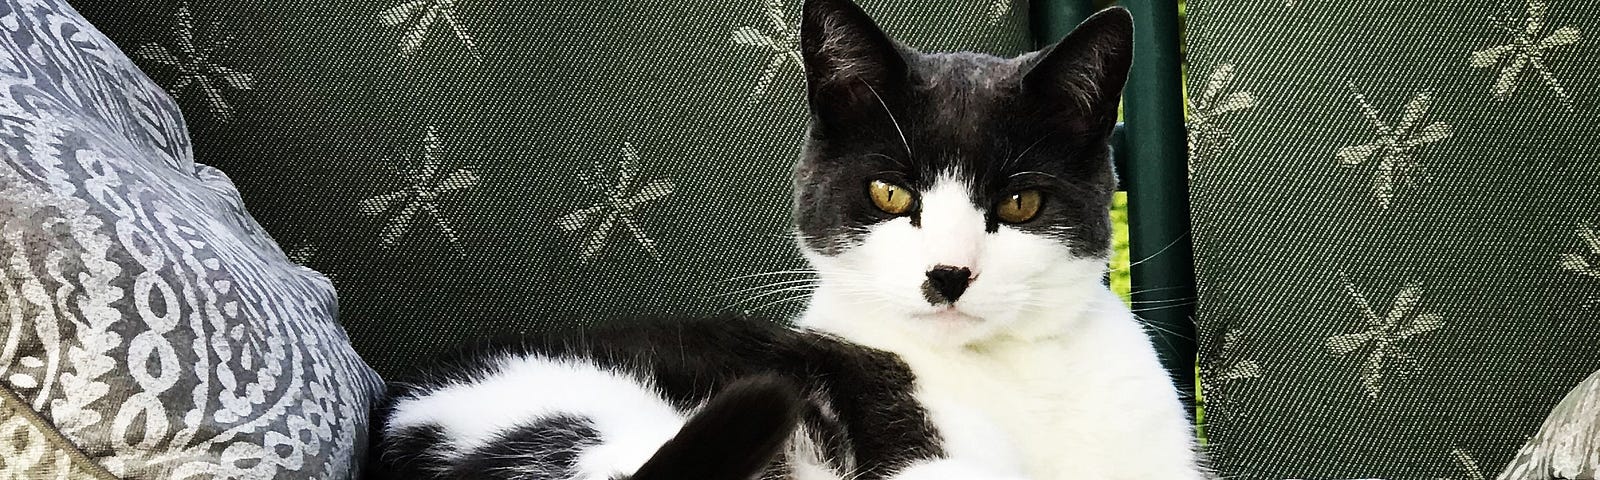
point(954, 206)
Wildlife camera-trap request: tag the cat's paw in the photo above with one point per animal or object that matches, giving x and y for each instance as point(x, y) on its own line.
point(949, 469)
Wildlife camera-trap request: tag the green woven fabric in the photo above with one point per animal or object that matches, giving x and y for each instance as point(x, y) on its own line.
point(463, 167)
point(1397, 231)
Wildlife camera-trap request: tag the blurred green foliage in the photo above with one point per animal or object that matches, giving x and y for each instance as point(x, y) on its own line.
point(1119, 245)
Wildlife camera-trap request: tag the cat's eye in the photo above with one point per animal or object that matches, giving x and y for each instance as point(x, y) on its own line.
point(1019, 207)
point(892, 199)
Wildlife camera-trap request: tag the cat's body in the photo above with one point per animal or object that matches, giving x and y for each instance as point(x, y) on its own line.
point(634, 389)
point(954, 208)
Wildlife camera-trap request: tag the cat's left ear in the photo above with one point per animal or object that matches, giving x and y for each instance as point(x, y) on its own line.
point(849, 61)
point(1082, 76)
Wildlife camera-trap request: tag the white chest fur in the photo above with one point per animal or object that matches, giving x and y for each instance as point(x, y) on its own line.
point(1090, 401)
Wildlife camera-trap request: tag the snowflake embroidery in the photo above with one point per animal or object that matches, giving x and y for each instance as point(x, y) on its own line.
point(1467, 464)
point(1207, 136)
point(197, 72)
point(1385, 335)
point(1525, 51)
point(426, 185)
point(997, 11)
point(416, 19)
point(1587, 262)
point(1395, 147)
point(304, 255)
point(1229, 369)
point(621, 193)
point(781, 42)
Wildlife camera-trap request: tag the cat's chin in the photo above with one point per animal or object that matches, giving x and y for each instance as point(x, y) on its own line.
point(951, 316)
point(884, 327)
point(954, 326)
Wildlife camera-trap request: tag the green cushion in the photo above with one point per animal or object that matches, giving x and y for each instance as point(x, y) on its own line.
point(1397, 230)
point(465, 167)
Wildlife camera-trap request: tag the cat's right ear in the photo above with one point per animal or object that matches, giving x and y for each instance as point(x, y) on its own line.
point(1082, 76)
point(849, 61)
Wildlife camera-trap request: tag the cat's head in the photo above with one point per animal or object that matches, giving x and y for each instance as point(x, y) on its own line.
point(956, 193)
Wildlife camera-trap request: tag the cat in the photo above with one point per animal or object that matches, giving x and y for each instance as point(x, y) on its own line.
point(954, 207)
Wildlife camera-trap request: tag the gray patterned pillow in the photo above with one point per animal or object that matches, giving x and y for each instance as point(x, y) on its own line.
point(144, 316)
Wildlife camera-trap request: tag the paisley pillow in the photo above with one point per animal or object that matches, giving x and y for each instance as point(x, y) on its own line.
point(149, 328)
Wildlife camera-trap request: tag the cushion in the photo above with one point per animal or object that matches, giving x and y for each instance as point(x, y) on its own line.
point(151, 329)
point(466, 168)
point(1396, 207)
point(31, 448)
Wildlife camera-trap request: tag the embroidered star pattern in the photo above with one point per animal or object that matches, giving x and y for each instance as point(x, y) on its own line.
point(1386, 335)
point(1207, 134)
point(197, 71)
point(1585, 260)
point(621, 193)
point(1526, 51)
point(1228, 369)
point(1393, 151)
point(780, 41)
point(416, 18)
point(426, 185)
point(304, 255)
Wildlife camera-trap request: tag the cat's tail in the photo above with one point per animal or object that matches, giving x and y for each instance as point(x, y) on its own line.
point(734, 437)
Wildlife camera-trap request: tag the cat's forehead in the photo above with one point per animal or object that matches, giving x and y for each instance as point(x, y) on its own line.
point(967, 104)
point(965, 72)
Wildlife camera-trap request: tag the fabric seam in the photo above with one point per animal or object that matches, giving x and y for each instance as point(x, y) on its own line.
point(15, 406)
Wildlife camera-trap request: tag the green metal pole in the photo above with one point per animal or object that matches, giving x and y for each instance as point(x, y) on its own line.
point(1158, 189)
point(1054, 19)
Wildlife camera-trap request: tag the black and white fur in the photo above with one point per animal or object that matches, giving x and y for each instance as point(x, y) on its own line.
point(1033, 370)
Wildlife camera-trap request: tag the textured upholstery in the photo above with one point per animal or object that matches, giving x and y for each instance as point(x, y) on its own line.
point(1396, 211)
point(462, 168)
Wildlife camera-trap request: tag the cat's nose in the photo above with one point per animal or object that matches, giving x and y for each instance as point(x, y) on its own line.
point(946, 283)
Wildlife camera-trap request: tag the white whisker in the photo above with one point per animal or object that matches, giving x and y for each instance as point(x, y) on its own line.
point(770, 293)
point(1158, 252)
point(806, 296)
point(767, 274)
point(803, 281)
point(891, 119)
point(1033, 172)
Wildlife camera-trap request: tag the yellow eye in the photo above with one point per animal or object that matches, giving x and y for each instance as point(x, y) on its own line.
point(1019, 207)
point(892, 199)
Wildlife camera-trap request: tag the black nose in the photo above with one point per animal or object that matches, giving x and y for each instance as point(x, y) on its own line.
point(946, 283)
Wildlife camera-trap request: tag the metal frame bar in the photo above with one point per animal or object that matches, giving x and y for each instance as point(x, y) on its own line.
point(1158, 188)
point(1053, 19)
point(1151, 153)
